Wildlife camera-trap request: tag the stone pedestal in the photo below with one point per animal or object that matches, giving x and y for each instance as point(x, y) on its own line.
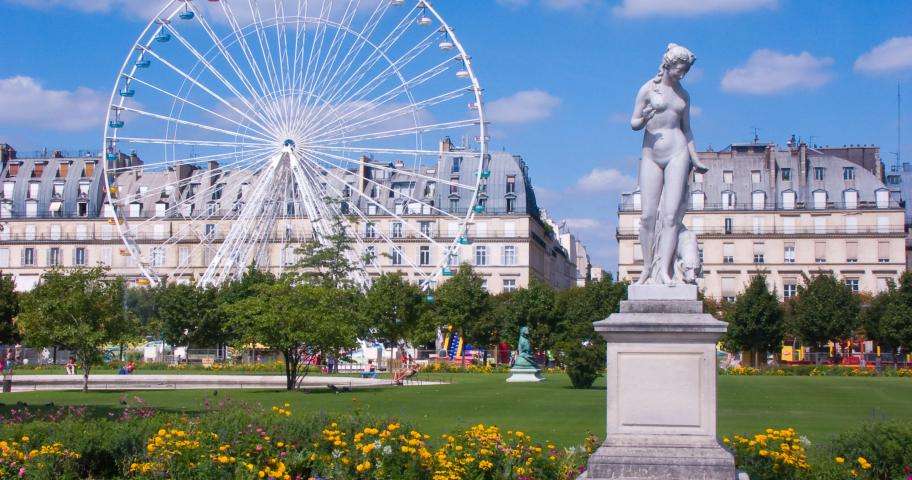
point(661, 390)
point(522, 375)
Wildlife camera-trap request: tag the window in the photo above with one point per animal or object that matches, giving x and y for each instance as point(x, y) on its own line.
point(13, 170)
point(425, 228)
point(424, 255)
point(851, 252)
point(33, 189)
point(788, 200)
point(820, 253)
point(370, 231)
point(210, 230)
point(851, 224)
point(161, 209)
point(453, 257)
point(82, 209)
point(850, 198)
point(58, 189)
point(636, 200)
point(56, 209)
point(31, 209)
point(454, 205)
point(509, 229)
point(429, 189)
point(729, 292)
point(698, 177)
point(788, 225)
point(219, 189)
point(848, 173)
point(53, 256)
point(820, 199)
point(758, 200)
point(637, 252)
point(160, 231)
point(728, 200)
point(89, 169)
point(508, 255)
point(789, 287)
point(372, 209)
point(883, 252)
point(511, 184)
point(511, 205)
point(28, 256)
point(370, 255)
point(759, 256)
point(697, 200)
point(396, 229)
point(729, 225)
point(728, 253)
point(183, 256)
point(786, 174)
point(758, 226)
point(883, 224)
point(819, 173)
point(454, 185)
point(788, 253)
point(38, 170)
point(79, 256)
point(728, 177)
point(755, 176)
point(55, 232)
point(4, 257)
point(8, 188)
point(481, 255)
point(135, 209)
point(509, 285)
point(820, 225)
point(481, 230)
point(158, 256)
point(852, 283)
point(30, 231)
point(882, 198)
point(6, 210)
point(396, 255)
point(696, 224)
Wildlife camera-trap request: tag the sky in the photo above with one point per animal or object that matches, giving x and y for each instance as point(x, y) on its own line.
point(559, 76)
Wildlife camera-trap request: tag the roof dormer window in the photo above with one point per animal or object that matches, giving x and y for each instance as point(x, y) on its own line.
point(13, 170)
point(38, 171)
point(58, 189)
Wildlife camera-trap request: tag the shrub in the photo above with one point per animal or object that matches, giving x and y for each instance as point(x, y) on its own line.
point(583, 364)
point(885, 446)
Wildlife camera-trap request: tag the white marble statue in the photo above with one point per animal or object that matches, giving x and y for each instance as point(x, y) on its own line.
point(663, 109)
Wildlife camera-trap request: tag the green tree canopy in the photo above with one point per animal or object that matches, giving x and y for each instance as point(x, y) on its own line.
point(393, 308)
point(533, 307)
point(888, 318)
point(190, 315)
point(80, 310)
point(824, 310)
point(755, 320)
point(460, 302)
point(9, 308)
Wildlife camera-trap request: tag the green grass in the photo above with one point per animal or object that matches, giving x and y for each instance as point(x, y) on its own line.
point(817, 406)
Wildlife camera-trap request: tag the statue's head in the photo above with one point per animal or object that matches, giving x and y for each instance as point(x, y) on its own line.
point(675, 63)
point(524, 330)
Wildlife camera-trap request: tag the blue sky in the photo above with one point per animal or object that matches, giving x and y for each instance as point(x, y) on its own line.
point(559, 75)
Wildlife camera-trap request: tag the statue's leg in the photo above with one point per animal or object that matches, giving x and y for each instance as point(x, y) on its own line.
point(676, 173)
point(651, 181)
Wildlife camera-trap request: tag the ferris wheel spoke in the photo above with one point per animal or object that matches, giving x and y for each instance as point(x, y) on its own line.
point(314, 59)
point(183, 161)
point(253, 128)
point(202, 87)
point(197, 143)
point(218, 75)
point(265, 48)
point(419, 129)
point(392, 151)
point(396, 113)
point(314, 158)
point(335, 46)
point(201, 126)
point(236, 68)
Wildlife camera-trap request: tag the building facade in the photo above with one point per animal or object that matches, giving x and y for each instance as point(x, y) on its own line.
point(53, 213)
point(788, 213)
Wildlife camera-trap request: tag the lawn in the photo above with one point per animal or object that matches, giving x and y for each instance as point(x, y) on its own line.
point(817, 406)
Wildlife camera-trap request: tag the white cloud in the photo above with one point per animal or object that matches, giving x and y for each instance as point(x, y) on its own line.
point(767, 72)
point(37, 107)
point(688, 8)
point(568, 4)
point(892, 55)
point(580, 224)
point(604, 180)
point(513, 3)
point(523, 107)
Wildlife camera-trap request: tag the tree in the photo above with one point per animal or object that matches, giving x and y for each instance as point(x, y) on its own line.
point(9, 308)
point(296, 319)
point(532, 307)
point(755, 321)
point(824, 309)
point(327, 262)
point(886, 320)
point(141, 303)
point(461, 302)
point(190, 315)
point(393, 308)
point(80, 310)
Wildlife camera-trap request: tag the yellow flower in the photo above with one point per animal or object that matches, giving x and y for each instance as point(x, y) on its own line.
point(840, 460)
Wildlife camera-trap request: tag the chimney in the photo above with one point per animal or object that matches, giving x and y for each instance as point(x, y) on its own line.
point(803, 164)
point(446, 145)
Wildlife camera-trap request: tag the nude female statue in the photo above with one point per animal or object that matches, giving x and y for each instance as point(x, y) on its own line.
point(663, 109)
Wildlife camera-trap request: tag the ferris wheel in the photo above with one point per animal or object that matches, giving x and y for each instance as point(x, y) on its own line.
point(239, 129)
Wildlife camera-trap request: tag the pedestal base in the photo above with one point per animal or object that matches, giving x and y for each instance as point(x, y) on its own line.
point(524, 375)
point(661, 463)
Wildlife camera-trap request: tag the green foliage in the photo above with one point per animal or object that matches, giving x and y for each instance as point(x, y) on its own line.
point(80, 310)
point(461, 301)
point(583, 363)
point(887, 446)
point(578, 308)
point(532, 307)
point(327, 263)
point(393, 308)
point(296, 319)
point(887, 319)
point(141, 305)
point(9, 308)
point(755, 320)
point(825, 309)
point(190, 315)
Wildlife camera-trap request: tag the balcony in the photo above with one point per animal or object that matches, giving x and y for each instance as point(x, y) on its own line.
point(780, 231)
point(779, 207)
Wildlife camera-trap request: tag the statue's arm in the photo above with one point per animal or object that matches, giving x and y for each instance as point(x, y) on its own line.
point(688, 134)
point(642, 113)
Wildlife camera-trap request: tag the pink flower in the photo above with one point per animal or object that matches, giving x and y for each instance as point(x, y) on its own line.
point(22, 471)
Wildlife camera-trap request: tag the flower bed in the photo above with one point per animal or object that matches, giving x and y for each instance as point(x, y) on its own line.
point(817, 371)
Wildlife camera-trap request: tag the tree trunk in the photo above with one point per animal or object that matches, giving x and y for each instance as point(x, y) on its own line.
point(291, 369)
point(85, 377)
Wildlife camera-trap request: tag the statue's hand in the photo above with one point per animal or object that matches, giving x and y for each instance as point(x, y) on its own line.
point(647, 113)
point(699, 166)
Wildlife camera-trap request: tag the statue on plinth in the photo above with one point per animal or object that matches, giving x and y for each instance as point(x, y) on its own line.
point(670, 251)
point(524, 367)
